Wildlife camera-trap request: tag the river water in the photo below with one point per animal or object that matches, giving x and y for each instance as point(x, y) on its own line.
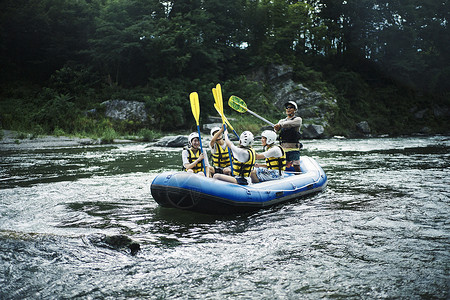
point(381, 230)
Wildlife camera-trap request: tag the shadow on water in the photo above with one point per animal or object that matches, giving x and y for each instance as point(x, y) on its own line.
point(175, 227)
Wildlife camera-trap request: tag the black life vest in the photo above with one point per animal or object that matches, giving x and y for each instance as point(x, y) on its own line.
point(289, 135)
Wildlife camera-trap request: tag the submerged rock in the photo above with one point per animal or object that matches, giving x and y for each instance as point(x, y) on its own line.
point(117, 242)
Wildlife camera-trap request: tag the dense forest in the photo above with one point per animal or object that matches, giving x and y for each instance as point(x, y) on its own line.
point(385, 61)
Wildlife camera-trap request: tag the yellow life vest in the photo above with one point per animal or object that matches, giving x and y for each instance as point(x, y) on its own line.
point(243, 169)
point(193, 157)
point(221, 158)
point(276, 163)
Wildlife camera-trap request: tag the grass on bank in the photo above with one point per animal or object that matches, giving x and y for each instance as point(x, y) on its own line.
point(107, 131)
point(36, 111)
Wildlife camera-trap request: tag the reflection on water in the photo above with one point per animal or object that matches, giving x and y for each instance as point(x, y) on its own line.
point(380, 230)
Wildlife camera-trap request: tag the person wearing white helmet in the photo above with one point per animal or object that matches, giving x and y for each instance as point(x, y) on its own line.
point(192, 157)
point(219, 151)
point(289, 135)
point(275, 159)
point(243, 160)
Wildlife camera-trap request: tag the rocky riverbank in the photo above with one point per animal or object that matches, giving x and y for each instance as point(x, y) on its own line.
point(13, 140)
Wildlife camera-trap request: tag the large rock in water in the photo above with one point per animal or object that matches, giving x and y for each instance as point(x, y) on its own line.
point(312, 131)
point(172, 141)
point(125, 110)
point(363, 127)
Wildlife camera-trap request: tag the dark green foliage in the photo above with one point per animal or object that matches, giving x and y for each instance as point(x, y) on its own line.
point(57, 112)
point(251, 92)
point(382, 60)
point(147, 135)
point(75, 80)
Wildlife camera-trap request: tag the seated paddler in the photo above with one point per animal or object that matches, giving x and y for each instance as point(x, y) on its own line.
point(275, 157)
point(243, 159)
point(193, 157)
point(219, 151)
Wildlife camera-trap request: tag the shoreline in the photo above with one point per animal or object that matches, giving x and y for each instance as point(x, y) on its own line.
point(11, 141)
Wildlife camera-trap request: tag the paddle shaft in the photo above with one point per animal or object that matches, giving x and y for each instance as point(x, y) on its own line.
point(239, 102)
point(201, 148)
point(261, 118)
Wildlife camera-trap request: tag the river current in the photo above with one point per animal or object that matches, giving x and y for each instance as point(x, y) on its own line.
point(381, 229)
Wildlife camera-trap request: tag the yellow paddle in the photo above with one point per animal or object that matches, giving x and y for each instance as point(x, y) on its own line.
point(217, 93)
point(195, 107)
point(226, 121)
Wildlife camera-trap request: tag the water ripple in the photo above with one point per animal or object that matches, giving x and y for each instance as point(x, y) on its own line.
point(380, 230)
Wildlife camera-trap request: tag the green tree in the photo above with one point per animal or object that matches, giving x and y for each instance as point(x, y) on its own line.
point(38, 37)
point(406, 39)
point(117, 47)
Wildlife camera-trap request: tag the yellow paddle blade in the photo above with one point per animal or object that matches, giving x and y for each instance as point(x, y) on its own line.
point(224, 118)
point(216, 99)
point(217, 92)
point(195, 106)
point(237, 104)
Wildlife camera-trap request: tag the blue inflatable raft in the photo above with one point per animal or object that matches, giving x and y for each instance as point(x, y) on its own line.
point(192, 192)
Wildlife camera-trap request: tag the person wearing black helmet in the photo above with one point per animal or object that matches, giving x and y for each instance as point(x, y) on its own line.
point(289, 135)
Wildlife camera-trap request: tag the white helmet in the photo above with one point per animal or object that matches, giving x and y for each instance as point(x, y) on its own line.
point(291, 103)
point(214, 130)
point(192, 136)
point(246, 138)
point(270, 136)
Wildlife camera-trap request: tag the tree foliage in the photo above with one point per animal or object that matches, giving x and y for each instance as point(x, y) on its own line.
point(89, 48)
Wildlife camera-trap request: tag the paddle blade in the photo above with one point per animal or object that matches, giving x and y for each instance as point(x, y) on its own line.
point(219, 94)
point(195, 106)
point(223, 117)
point(219, 101)
point(216, 99)
point(237, 104)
